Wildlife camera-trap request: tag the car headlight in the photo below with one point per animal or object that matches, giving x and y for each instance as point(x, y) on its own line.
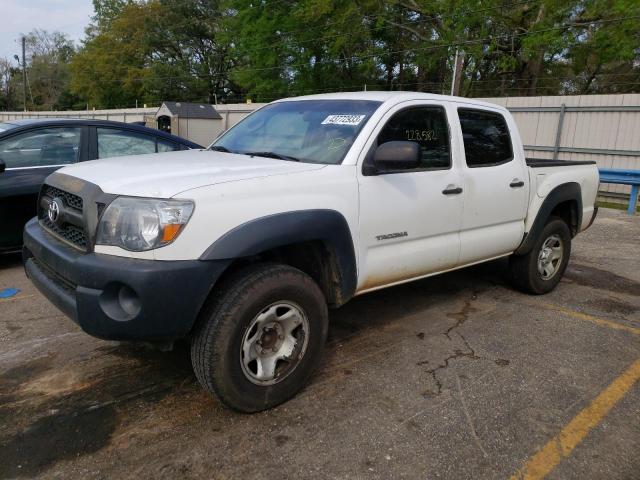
point(139, 224)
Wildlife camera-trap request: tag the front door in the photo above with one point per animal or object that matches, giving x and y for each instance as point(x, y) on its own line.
point(410, 220)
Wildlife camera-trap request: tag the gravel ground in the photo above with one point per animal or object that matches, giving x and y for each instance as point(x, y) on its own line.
point(455, 377)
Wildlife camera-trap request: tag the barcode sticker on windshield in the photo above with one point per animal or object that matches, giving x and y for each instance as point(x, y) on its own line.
point(343, 120)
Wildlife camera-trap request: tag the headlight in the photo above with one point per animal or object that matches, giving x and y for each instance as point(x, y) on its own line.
point(139, 224)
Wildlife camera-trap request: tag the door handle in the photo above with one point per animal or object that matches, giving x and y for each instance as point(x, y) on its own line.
point(452, 191)
point(516, 183)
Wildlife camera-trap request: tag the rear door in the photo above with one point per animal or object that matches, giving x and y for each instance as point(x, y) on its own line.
point(495, 186)
point(410, 220)
point(30, 156)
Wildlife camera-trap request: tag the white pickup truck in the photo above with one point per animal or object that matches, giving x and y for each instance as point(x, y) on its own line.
point(304, 204)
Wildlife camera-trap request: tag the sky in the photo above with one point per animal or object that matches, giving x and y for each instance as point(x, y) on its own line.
point(22, 16)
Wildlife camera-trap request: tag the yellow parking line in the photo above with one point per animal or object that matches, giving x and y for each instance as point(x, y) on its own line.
point(561, 446)
point(584, 316)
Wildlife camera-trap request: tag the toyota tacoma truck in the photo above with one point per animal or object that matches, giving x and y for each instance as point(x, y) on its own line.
point(243, 247)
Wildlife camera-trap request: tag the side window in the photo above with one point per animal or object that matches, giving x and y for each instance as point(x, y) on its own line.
point(486, 138)
point(114, 143)
point(167, 145)
point(41, 147)
point(428, 127)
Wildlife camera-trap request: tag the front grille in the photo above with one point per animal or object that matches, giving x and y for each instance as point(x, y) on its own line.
point(73, 234)
point(73, 201)
point(70, 233)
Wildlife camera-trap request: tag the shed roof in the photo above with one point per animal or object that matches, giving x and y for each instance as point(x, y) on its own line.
point(192, 110)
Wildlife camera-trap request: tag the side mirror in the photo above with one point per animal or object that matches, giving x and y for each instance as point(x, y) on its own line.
point(397, 155)
point(3, 166)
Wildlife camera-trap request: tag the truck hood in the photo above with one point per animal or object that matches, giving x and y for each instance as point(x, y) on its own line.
point(164, 175)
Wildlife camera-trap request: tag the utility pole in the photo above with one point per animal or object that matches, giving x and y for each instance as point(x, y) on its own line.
point(457, 73)
point(24, 76)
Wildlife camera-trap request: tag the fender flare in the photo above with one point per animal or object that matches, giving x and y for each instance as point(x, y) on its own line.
point(289, 228)
point(565, 192)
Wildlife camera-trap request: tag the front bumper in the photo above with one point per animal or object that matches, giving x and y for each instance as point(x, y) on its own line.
point(119, 298)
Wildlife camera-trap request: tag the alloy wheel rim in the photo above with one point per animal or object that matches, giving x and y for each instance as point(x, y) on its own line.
point(274, 343)
point(550, 257)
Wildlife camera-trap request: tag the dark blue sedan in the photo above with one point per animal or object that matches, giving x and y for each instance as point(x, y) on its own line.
point(31, 149)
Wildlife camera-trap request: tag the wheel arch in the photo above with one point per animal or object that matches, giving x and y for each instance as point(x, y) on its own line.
point(318, 242)
point(564, 201)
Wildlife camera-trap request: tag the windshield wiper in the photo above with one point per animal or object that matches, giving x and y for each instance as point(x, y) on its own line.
point(220, 148)
point(278, 156)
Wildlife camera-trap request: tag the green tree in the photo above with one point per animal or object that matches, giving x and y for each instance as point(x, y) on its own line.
point(199, 50)
point(8, 100)
point(152, 51)
point(48, 56)
point(190, 54)
point(302, 47)
point(110, 68)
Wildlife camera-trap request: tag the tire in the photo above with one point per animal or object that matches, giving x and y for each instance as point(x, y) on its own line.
point(260, 309)
point(525, 269)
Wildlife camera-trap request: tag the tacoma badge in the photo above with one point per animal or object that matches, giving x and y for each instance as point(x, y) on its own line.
point(389, 236)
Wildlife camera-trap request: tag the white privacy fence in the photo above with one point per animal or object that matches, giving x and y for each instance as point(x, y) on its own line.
point(119, 115)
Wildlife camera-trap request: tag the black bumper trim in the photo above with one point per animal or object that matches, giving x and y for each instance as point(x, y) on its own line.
point(162, 299)
point(55, 293)
point(593, 217)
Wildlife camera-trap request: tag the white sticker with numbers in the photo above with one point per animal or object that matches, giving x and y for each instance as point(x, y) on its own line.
point(343, 120)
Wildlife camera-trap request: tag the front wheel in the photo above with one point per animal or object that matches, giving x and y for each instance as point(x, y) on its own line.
point(260, 337)
point(540, 270)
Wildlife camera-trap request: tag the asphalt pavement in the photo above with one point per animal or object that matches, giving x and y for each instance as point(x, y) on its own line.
point(453, 377)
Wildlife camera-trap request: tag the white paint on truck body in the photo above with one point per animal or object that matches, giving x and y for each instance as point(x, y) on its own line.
point(423, 232)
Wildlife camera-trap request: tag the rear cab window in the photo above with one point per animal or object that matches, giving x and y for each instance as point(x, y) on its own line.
point(487, 141)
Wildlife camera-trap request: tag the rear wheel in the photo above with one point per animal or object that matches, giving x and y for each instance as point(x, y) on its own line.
point(260, 337)
point(540, 270)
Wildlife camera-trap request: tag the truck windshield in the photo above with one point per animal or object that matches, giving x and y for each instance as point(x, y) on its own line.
point(316, 131)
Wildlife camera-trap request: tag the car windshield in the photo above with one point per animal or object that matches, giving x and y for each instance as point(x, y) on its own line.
point(316, 131)
point(6, 126)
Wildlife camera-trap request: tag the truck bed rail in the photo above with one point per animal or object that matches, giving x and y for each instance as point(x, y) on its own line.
point(543, 162)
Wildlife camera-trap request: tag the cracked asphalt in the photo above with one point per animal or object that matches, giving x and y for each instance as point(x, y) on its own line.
point(453, 377)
